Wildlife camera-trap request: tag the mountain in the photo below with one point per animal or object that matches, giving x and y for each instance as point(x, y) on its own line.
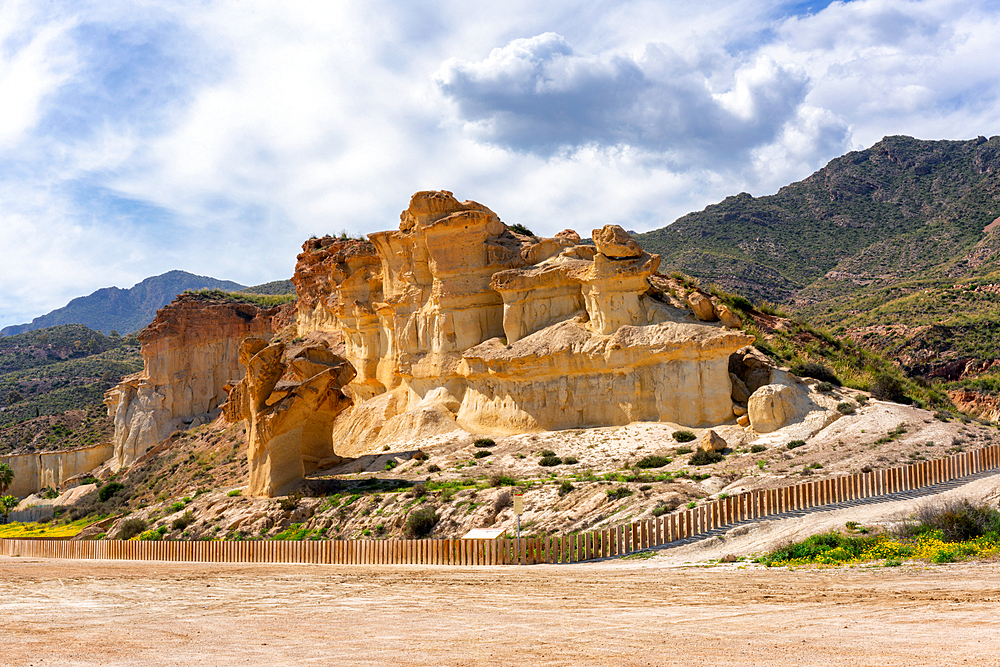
point(124, 310)
point(52, 384)
point(897, 245)
point(275, 287)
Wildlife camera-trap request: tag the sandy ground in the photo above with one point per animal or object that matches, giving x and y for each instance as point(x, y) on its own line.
point(613, 613)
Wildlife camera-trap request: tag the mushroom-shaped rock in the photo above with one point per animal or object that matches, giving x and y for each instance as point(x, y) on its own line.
point(290, 421)
point(614, 242)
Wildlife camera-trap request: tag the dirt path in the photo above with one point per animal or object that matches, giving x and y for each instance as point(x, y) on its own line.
point(614, 613)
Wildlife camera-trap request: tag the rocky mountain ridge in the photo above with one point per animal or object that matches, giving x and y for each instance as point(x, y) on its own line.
point(124, 310)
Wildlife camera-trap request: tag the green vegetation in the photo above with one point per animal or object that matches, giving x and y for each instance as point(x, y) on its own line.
point(275, 287)
point(129, 528)
point(619, 493)
point(518, 228)
point(421, 522)
point(50, 371)
point(108, 490)
point(652, 461)
point(684, 436)
point(703, 458)
point(6, 477)
point(7, 503)
point(262, 300)
point(484, 442)
point(939, 534)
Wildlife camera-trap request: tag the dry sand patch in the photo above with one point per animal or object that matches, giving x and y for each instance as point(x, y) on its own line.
point(613, 613)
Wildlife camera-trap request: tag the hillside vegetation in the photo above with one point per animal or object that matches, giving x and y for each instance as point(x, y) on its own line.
point(897, 246)
point(49, 372)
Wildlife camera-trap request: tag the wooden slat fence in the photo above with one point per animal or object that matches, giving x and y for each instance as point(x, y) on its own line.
point(604, 543)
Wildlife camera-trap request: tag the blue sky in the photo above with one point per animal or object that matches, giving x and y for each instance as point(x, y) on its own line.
point(214, 137)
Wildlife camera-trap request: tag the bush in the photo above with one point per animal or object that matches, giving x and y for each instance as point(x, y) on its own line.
point(888, 388)
point(498, 479)
point(290, 502)
point(391, 463)
point(502, 501)
point(816, 371)
point(176, 507)
point(421, 522)
point(683, 450)
point(481, 454)
point(183, 521)
point(684, 436)
point(419, 490)
point(130, 528)
point(108, 490)
point(957, 520)
point(703, 458)
point(433, 468)
point(619, 493)
point(234, 493)
point(796, 443)
point(570, 460)
point(484, 442)
point(549, 460)
point(518, 228)
point(665, 506)
point(824, 387)
point(757, 449)
point(652, 461)
point(565, 487)
point(846, 408)
point(419, 456)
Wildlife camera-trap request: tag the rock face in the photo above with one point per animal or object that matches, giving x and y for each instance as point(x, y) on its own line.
point(289, 403)
point(190, 352)
point(50, 469)
point(774, 405)
point(453, 322)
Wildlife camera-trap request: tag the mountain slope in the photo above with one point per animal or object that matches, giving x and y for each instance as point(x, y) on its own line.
point(124, 310)
point(52, 384)
point(877, 216)
point(881, 244)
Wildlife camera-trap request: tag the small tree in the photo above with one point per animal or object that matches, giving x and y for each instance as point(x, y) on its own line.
point(7, 503)
point(6, 477)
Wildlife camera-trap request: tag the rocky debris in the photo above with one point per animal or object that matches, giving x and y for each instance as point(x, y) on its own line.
point(726, 316)
point(701, 306)
point(190, 352)
point(614, 242)
point(711, 442)
point(289, 404)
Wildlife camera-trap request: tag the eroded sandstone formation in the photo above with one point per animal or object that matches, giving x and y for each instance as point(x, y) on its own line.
point(453, 321)
point(191, 350)
point(289, 401)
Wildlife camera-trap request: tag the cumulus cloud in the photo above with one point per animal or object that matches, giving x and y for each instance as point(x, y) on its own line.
point(540, 95)
point(138, 137)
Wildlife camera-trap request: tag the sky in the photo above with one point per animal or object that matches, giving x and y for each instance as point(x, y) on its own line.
point(215, 137)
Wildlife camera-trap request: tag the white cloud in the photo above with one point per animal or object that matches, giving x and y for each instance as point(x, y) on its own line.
point(215, 137)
